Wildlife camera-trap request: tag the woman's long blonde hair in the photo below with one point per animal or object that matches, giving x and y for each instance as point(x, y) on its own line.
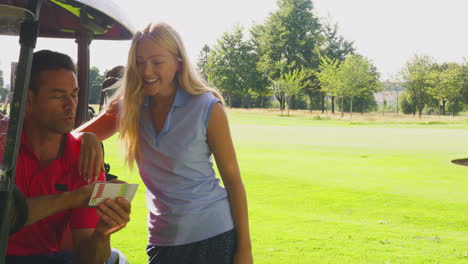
point(131, 91)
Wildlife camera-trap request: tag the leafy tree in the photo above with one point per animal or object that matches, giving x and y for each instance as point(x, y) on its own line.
point(287, 40)
point(407, 106)
point(455, 108)
point(95, 82)
point(464, 67)
point(262, 83)
point(1, 79)
point(276, 86)
point(203, 60)
point(366, 93)
point(446, 85)
point(415, 77)
point(3, 95)
point(334, 47)
point(436, 90)
point(231, 65)
point(356, 79)
point(365, 103)
point(3, 92)
point(453, 80)
point(328, 78)
point(290, 84)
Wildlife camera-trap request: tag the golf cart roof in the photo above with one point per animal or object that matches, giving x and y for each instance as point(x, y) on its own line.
point(82, 20)
point(63, 18)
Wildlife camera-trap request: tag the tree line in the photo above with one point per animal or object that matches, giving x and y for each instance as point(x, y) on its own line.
point(303, 62)
point(287, 58)
point(3, 90)
point(433, 87)
point(294, 60)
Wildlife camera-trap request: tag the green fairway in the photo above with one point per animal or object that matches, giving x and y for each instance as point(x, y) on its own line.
point(327, 191)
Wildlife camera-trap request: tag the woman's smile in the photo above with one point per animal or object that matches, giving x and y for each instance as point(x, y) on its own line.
point(150, 81)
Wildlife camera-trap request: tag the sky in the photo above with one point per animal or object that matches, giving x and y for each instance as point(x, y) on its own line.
point(388, 32)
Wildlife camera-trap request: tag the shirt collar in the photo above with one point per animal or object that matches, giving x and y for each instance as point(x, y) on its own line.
point(24, 141)
point(180, 99)
point(67, 148)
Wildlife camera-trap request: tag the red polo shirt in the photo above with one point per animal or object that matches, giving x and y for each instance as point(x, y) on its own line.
point(44, 236)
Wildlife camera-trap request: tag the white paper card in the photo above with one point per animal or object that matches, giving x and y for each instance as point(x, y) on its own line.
point(103, 191)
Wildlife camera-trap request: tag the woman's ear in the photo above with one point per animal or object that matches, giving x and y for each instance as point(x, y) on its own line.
point(180, 64)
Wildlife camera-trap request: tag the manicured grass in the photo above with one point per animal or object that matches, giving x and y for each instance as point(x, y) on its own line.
point(330, 191)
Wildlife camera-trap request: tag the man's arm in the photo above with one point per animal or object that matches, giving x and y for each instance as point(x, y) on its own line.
point(93, 245)
point(40, 207)
point(90, 247)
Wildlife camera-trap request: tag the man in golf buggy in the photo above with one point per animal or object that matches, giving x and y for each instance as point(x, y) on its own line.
point(47, 174)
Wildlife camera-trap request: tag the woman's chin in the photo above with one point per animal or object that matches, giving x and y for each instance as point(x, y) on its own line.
point(150, 90)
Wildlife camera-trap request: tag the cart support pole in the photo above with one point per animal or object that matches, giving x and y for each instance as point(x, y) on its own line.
point(83, 39)
point(28, 36)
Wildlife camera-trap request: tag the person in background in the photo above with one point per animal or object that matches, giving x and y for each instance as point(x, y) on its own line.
point(111, 82)
point(6, 104)
point(47, 175)
point(171, 123)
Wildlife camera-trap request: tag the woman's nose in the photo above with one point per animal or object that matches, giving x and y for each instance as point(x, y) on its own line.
point(147, 69)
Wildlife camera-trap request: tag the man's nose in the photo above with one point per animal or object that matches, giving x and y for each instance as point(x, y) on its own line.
point(70, 102)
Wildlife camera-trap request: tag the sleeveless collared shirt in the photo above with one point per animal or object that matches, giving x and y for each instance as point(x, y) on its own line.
point(185, 200)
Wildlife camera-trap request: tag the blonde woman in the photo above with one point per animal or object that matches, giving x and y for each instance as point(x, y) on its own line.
point(171, 123)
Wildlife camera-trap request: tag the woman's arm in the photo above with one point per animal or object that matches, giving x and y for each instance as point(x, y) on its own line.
point(104, 125)
point(220, 142)
point(90, 135)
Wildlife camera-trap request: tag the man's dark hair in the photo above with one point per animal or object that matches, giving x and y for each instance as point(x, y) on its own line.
point(47, 60)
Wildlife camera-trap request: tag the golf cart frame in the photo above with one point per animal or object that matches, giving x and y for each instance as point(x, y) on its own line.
point(81, 20)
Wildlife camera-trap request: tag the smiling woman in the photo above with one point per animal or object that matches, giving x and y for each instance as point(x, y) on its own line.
point(172, 124)
point(158, 67)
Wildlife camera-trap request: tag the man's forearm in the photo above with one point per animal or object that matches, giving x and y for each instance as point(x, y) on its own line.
point(43, 206)
point(40, 207)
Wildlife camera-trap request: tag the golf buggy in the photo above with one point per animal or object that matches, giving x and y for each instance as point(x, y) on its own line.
point(79, 20)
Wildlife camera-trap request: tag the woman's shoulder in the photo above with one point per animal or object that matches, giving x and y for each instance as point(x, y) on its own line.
point(204, 98)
